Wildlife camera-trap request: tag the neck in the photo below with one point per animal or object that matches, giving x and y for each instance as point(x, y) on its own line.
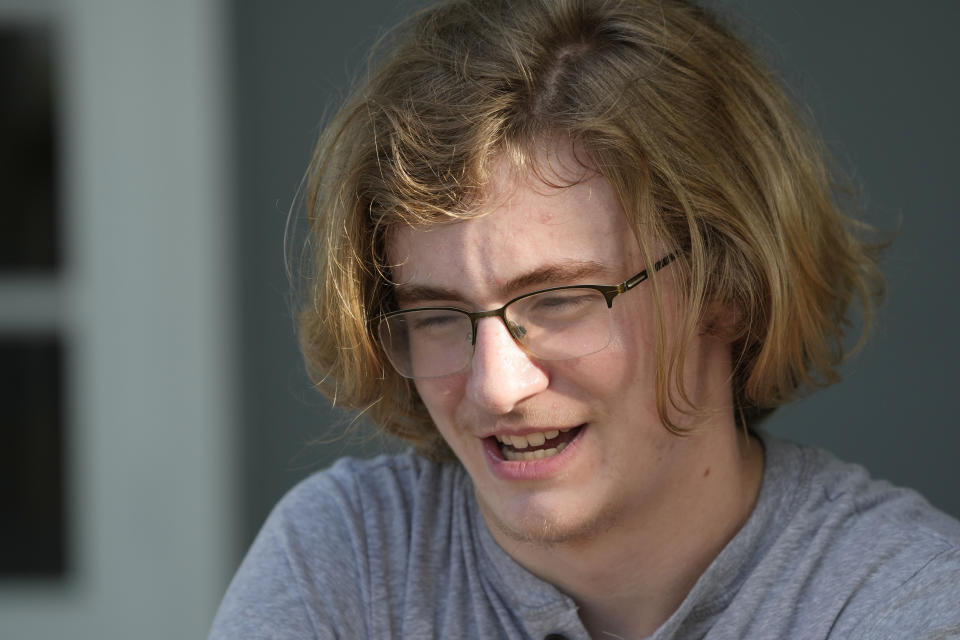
point(629, 579)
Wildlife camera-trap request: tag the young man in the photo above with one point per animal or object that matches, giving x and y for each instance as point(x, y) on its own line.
point(574, 251)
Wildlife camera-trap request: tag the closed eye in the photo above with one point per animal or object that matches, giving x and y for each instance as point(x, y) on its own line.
point(562, 302)
point(430, 321)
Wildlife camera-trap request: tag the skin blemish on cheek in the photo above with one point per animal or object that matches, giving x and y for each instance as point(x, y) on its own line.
point(706, 472)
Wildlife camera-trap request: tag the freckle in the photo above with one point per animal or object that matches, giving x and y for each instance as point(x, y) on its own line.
point(706, 472)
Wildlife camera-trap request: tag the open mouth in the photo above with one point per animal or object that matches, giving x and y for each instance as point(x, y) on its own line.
point(536, 446)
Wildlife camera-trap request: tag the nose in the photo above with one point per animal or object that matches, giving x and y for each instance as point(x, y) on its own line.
point(502, 374)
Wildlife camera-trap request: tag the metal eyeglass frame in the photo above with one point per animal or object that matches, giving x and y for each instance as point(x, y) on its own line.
point(609, 292)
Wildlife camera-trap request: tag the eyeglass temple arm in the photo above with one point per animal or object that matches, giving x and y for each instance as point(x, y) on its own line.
point(640, 277)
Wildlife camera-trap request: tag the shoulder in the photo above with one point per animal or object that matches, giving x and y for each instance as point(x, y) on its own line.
point(354, 486)
point(842, 499)
point(880, 554)
point(315, 563)
point(924, 603)
point(362, 504)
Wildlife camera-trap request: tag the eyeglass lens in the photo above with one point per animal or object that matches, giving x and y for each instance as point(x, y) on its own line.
point(551, 325)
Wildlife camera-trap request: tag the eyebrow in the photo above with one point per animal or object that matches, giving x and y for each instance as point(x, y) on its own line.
point(553, 275)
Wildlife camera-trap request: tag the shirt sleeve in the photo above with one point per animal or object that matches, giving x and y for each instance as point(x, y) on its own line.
point(304, 575)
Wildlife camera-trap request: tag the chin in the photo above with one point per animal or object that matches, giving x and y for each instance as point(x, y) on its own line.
point(539, 525)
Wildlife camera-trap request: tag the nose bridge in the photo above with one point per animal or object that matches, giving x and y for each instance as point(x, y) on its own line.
point(492, 313)
point(502, 374)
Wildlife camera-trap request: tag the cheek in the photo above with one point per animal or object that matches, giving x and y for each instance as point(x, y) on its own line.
point(634, 336)
point(441, 397)
point(614, 377)
point(626, 368)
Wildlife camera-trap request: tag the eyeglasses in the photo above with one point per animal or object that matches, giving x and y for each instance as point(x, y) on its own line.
point(558, 323)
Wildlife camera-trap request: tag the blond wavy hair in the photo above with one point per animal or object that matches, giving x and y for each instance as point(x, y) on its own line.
point(699, 142)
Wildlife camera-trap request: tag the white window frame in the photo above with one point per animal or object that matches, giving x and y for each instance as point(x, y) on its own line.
point(145, 303)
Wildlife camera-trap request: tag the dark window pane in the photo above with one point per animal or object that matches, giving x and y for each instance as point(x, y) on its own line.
point(29, 237)
point(32, 505)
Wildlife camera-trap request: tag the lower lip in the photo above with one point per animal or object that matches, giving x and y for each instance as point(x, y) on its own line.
point(529, 470)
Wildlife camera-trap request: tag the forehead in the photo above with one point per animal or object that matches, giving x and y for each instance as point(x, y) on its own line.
point(523, 226)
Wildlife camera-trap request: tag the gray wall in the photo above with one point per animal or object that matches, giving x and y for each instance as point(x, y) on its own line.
point(880, 81)
point(292, 60)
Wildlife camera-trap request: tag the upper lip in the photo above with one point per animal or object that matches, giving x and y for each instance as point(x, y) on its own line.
point(528, 430)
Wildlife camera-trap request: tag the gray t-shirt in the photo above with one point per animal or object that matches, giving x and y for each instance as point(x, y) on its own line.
point(395, 548)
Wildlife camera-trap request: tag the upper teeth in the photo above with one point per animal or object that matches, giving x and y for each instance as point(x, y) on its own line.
point(530, 439)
